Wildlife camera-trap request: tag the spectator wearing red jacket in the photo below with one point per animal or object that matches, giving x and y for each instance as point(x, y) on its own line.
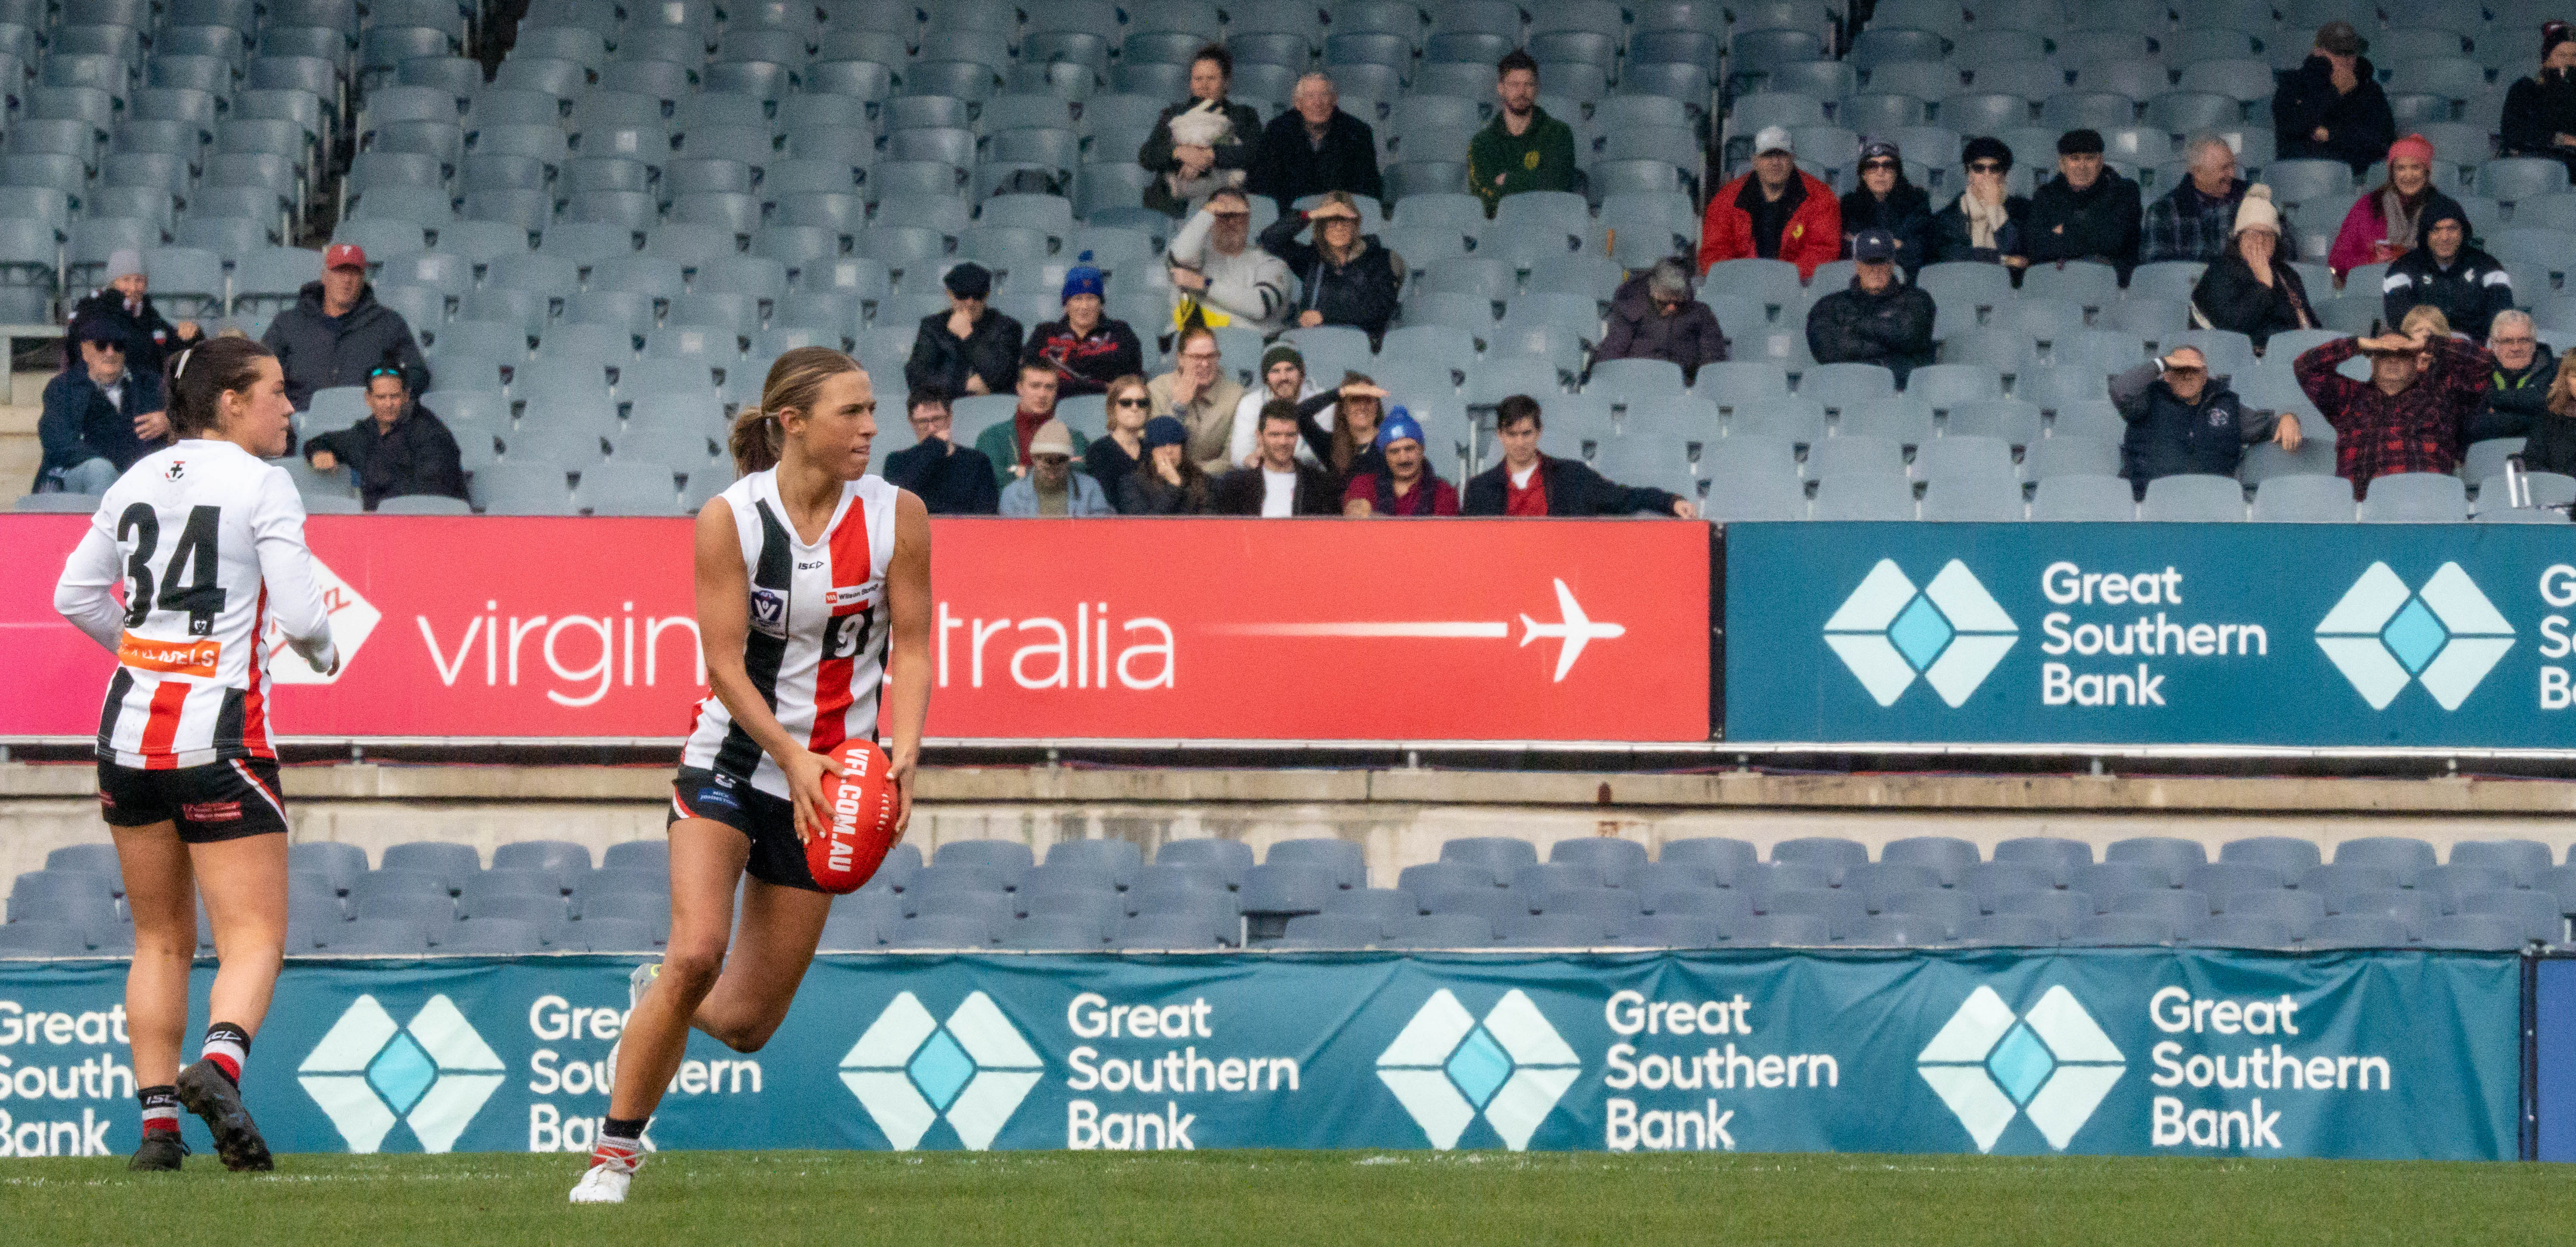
point(2407, 417)
point(1776, 212)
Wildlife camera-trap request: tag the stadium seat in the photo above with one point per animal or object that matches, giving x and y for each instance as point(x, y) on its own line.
point(2522, 861)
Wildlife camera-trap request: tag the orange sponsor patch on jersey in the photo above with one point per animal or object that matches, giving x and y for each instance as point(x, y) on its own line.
point(197, 658)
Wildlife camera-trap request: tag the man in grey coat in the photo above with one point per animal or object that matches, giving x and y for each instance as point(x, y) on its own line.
point(337, 332)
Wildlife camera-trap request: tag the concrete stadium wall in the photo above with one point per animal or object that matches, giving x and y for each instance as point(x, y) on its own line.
point(1399, 816)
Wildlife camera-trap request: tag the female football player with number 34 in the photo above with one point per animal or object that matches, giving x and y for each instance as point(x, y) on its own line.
point(813, 584)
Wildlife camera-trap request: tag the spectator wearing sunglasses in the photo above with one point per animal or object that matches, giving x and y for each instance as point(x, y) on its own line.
point(1885, 200)
point(1112, 458)
point(948, 478)
point(1986, 223)
point(2183, 420)
point(398, 449)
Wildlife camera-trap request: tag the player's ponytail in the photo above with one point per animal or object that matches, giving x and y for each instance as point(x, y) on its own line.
point(197, 378)
point(756, 441)
point(759, 437)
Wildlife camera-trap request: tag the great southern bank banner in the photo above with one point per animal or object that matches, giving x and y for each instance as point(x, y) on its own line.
point(2341, 635)
point(2408, 1054)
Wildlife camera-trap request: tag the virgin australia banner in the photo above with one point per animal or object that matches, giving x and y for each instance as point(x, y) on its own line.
point(2136, 1052)
point(2365, 635)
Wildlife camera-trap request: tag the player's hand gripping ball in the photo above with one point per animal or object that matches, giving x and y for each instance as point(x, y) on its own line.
point(860, 807)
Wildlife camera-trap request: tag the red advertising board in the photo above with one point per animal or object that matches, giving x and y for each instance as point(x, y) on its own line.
point(484, 628)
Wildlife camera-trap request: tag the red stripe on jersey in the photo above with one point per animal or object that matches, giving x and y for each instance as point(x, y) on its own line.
point(832, 693)
point(254, 700)
point(168, 700)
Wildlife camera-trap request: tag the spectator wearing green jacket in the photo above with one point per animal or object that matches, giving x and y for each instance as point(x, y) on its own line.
point(1006, 443)
point(1523, 149)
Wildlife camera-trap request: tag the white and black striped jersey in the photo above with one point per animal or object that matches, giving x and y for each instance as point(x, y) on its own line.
point(816, 645)
point(208, 542)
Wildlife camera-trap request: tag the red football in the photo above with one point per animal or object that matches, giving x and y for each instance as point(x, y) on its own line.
point(861, 807)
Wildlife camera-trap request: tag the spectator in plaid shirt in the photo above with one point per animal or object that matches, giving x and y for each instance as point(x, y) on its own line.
point(2195, 221)
point(2406, 418)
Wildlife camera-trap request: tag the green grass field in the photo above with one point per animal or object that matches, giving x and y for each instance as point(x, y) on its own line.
point(725, 1199)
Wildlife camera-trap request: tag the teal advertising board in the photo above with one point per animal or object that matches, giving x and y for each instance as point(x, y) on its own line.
point(2114, 1051)
point(2302, 635)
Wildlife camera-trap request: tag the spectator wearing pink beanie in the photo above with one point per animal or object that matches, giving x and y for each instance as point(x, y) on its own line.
point(2385, 224)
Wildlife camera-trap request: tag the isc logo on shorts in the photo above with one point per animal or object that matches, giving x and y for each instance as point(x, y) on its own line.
point(769, 612)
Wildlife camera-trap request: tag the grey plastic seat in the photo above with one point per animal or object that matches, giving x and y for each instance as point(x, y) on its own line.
point(2304, 499)
point(2193, 499)
point(2415, 497)
point(2078, 497)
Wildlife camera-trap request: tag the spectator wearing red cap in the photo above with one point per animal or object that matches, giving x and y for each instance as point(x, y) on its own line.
point(2540, 111)
point(1775, 212)
point(2387, 222)
point(1405, 487)
point(2331, 107)
point(337, 333)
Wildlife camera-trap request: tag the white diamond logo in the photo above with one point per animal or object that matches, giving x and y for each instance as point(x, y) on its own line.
point(432, 1074)
point(2052, 1064)
point(2446, 636)
point(909, 1071)
point(1445, 1067)
point(1952, 633)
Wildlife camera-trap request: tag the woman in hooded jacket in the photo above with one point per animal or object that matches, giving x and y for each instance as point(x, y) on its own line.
point(1886, 200)
point(2540, 111)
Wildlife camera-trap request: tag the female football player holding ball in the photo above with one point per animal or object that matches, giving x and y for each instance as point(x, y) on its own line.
point(809, 572)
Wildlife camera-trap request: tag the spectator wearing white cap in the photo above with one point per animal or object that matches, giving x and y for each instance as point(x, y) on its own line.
point(2249, 289)
point(126, 303)
point(1775, 212)
point(1053, 487)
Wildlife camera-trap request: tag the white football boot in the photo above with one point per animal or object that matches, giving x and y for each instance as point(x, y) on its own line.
point(607, 1179)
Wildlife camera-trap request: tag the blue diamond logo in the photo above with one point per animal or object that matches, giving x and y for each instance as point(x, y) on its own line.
point(402, 1072)
point(1920, 633)
point(2021, 1063)
point(2415, 636)
point(1479, 1067)
point(941, 1069)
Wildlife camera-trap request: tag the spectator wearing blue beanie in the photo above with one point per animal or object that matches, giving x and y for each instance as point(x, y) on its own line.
point(1168, 481)
point(1406, 486)
point(1086, 348)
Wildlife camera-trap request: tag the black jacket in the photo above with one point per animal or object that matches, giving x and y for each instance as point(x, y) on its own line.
point(1689, 337)
point(1156, 155)
point(2228, 297)
point(79, 424)
point(2169, 437)
point(939, 358)
point(1287, 167)
point(948, 478)
point(1906, 213)
point(150, 338)
point(1085, 365)
point(417, 456)
point(1951, 239)
point(2536, 111)
point(2359, 126)
point(1892, 328)
point(1573, 489)
point(2470, 290)
point(319, 351)
point(2517, 403)
point(1310, 423)
point(2099, 222)
point(1362, 293)
point(1241, 491)
point(1145, 492)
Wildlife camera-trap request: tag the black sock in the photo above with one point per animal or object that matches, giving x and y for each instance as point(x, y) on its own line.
point(623, 1127)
